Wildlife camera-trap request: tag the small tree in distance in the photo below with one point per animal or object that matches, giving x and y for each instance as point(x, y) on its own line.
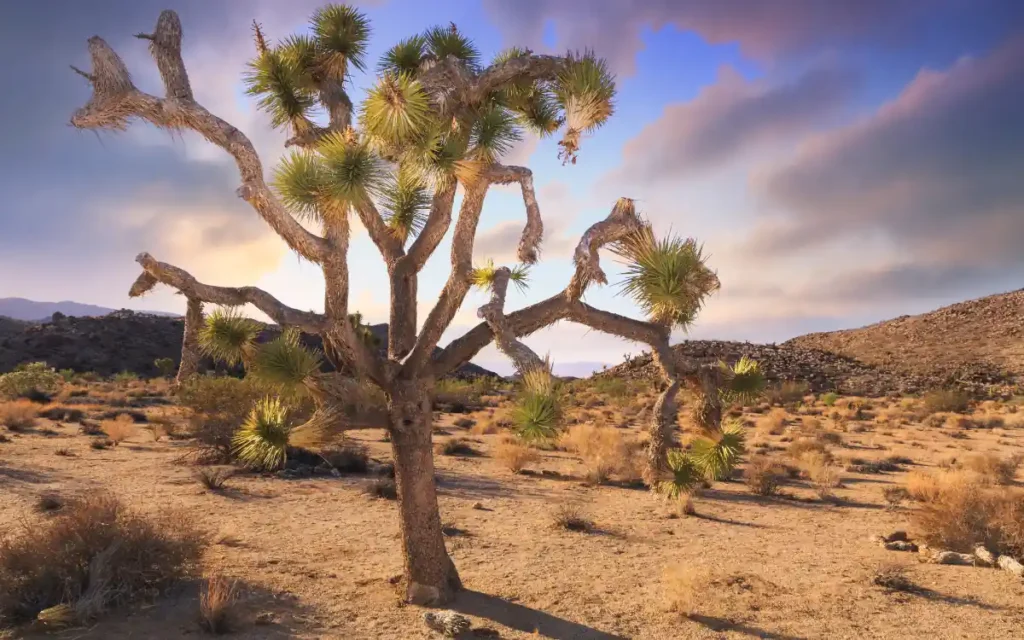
point(437, 120)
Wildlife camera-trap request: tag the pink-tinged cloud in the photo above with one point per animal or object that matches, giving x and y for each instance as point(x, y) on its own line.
point(764, 29)
point(730, 117)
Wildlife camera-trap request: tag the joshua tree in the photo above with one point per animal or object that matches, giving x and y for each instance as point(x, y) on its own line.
point(436, 120)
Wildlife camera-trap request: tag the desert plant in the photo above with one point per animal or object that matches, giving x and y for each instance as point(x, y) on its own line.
point(455, 447)
point(216, 601)
point(603, 450)
point(686, 587)
point(18, 415)
point(946, 401)
point(123, 377)
point(829, 399)
point(687, 476)
point(787, 392)
point(262, 441)
point(347, 456)
point(28, 378)
point(961, 511)
point(515, 455)
point(418, 137)
point(213, 478)
point(823, 474)
point(764, 475)
point(119, 429)
point(382, 488)
point(93, 554)
point(215, 407)
point(165, 366)
point(537, 413)
point(718, 454)
point(994, 468)
point(571, 517)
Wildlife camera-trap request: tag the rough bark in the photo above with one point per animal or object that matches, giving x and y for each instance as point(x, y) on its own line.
point(190, 354)
point(430, 574)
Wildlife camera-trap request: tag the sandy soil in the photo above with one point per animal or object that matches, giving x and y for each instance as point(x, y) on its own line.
point(316, 555)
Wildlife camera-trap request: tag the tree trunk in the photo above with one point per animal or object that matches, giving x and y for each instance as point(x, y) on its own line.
point(190, 355)
point(663, 421)
point(430, 575)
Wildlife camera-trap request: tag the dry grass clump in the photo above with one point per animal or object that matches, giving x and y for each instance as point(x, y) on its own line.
point(764, 475)
point(347, 456)
point(455, 447)
point(571, 518)
point(823, 474)
point(382, 488)
point(213, 478)
point(120, 429)
point(946, 401)
point(18, 415)
point(515, 455)
point(216, 606)
point(603, 450)
point(798, 448)
point(774, 423)
point(483, 428)
point(993, 467)
point(686, 587)
point(961, 511)
point(94, 554)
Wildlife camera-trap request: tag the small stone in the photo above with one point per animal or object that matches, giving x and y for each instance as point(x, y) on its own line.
point(877, 539)
point(900, 545)
point(954, 558)
point(897, 536)
point(479, 506)
point(985, 557)
point(1006, 563)
point(265, 618)
point(448, 623)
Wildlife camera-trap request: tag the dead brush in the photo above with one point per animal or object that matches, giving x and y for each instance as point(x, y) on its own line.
point(119, 429)
point(514, 455)
point(92, 555)
point(823, 474)
point(994, 468)
point(764, 476)
point(19, 415)
point(571, 518)
point(963, 511)
point(217, 614)
point(213, 478)
point(603, 450)
point(893, 577)
point(773, 424)
point(455, 447)
point(684, 588)
point(382, 489)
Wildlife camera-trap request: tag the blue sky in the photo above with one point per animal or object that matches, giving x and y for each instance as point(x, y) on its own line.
point(843, 162)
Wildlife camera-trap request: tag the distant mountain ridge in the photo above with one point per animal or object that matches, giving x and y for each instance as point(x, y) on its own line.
point(35, 311)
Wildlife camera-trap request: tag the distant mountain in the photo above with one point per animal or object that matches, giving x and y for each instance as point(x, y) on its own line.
point(34, 311)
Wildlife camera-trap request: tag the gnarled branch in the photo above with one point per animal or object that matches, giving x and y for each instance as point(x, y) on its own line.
point(228, 296)
point(493, 313)
point(115, 101)
point(622, 221)
point(533, 233)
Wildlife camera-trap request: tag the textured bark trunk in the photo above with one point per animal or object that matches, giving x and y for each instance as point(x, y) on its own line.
point(663, 421)
point(190, 355)
point(430, 575)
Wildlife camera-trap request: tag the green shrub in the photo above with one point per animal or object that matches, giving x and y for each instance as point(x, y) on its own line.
point(216, 406)
point(946, 401)
point(787, 392)
point(165, 366)
point(125, 376)
point(29, 378)
point(829, 399)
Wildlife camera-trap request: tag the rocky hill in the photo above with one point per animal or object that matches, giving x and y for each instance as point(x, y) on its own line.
point(974, 343)
point(121, 341)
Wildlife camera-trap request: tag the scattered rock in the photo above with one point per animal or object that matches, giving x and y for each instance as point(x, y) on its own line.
point(448, 623)
point(897, 536)
point(877, 539)
point(952, 557)
point(1006, 563)
point(900, 545)
point(266, 617)
point(985, 557)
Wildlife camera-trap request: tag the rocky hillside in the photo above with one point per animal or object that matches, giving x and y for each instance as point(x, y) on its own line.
point(120, 341)
point(973, 343)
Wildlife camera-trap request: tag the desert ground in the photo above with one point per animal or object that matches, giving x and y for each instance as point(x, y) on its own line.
point(316, 557)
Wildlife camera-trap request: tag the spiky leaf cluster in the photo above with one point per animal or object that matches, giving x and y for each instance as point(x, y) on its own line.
point(483, 277)
point(285, 364)
point(228, 336)
point(537, 413)
point(405, 200)
point(668, 277)
point(262, 441)
point(686, 478)
point(718, 454)
point(743, 382)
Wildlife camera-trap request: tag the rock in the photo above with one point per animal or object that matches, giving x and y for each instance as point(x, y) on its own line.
point(897, 536)
point(265, 618)
point(952, 557)
point(1006, 563)
point(900, 545)
point(448, 623)
point(985, 557)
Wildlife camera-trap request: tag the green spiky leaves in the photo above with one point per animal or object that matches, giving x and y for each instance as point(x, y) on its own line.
point(585, 90)
point(667, 278)
point(262, 441)
point(353, 171)
point(342, 35)
point(405, 200)
point(483, 277)
point(405, 57)
point(686, 478)
point(492, 134)
point(396, 109)
point(285, 364)
point(744, 381)
point(301, 182)
point(277, 78)
point(537, 414)
point(447, 41)
point(718, 455)
point(228, 336)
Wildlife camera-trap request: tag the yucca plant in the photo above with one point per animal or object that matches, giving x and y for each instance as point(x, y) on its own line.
point(537, 413)
point(262, 440)
point(483, 277)
point(717, 455)
point(284, 364)
point(686, 476)
point(229, 336)
point(743, 382)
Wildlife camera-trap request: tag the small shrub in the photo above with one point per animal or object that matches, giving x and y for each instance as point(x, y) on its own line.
point(19, 415)
point(215, 407)
point(213, 479)
point(347, 456)
point(455, 447)
point(788, 392)
point(946, 401)
point(216, 606)
point(63, 451)
point(26, 379)
point(571, 518)
point(465, 423)
point(484, 427)
point(165, 366)
point(61, 413)
point(895, 496)
point(119, 430)
point(962, 511)
point(49, 502)
point(894, 578)
point(515, 456)
point(798, 448)
point(994, 468)
point(93, 555)
point(685, 588)
point(829, 399)
point(774, 423)
point(603, 450)
point(383, 488)
point(125, 377)
point(764, 476)
point(821, 472)
point(99, 445)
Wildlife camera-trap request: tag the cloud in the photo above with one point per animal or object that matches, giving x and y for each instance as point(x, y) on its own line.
point(729, 117)
point(501, 242)
point(764, 30)
point(934, 175)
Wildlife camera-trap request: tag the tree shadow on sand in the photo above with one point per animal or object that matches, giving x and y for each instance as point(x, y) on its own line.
point(720, 625)
point(524, 619)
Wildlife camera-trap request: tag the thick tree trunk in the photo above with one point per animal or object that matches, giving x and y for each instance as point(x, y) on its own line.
point(663, 421)
point(190, 342)
point(430, 575)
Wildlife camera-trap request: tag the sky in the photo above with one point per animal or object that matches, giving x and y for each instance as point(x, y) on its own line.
point(842, 161)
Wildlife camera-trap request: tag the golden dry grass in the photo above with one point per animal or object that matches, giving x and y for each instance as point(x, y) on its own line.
point(19, 415)
point(119, 429)
point(514, 455)
point(685, 588)
point(603, 450)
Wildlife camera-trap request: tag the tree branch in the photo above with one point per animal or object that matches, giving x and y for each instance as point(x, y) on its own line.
point(228, 296)
point(434, 230)
point(493, 313)
point(115, 101)
point(527, 67)
point(620, 223)
point(390, 247)
point(533, 233)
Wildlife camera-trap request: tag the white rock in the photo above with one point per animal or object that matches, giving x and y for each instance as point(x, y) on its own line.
point(1009, 564)
point(952, 557)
